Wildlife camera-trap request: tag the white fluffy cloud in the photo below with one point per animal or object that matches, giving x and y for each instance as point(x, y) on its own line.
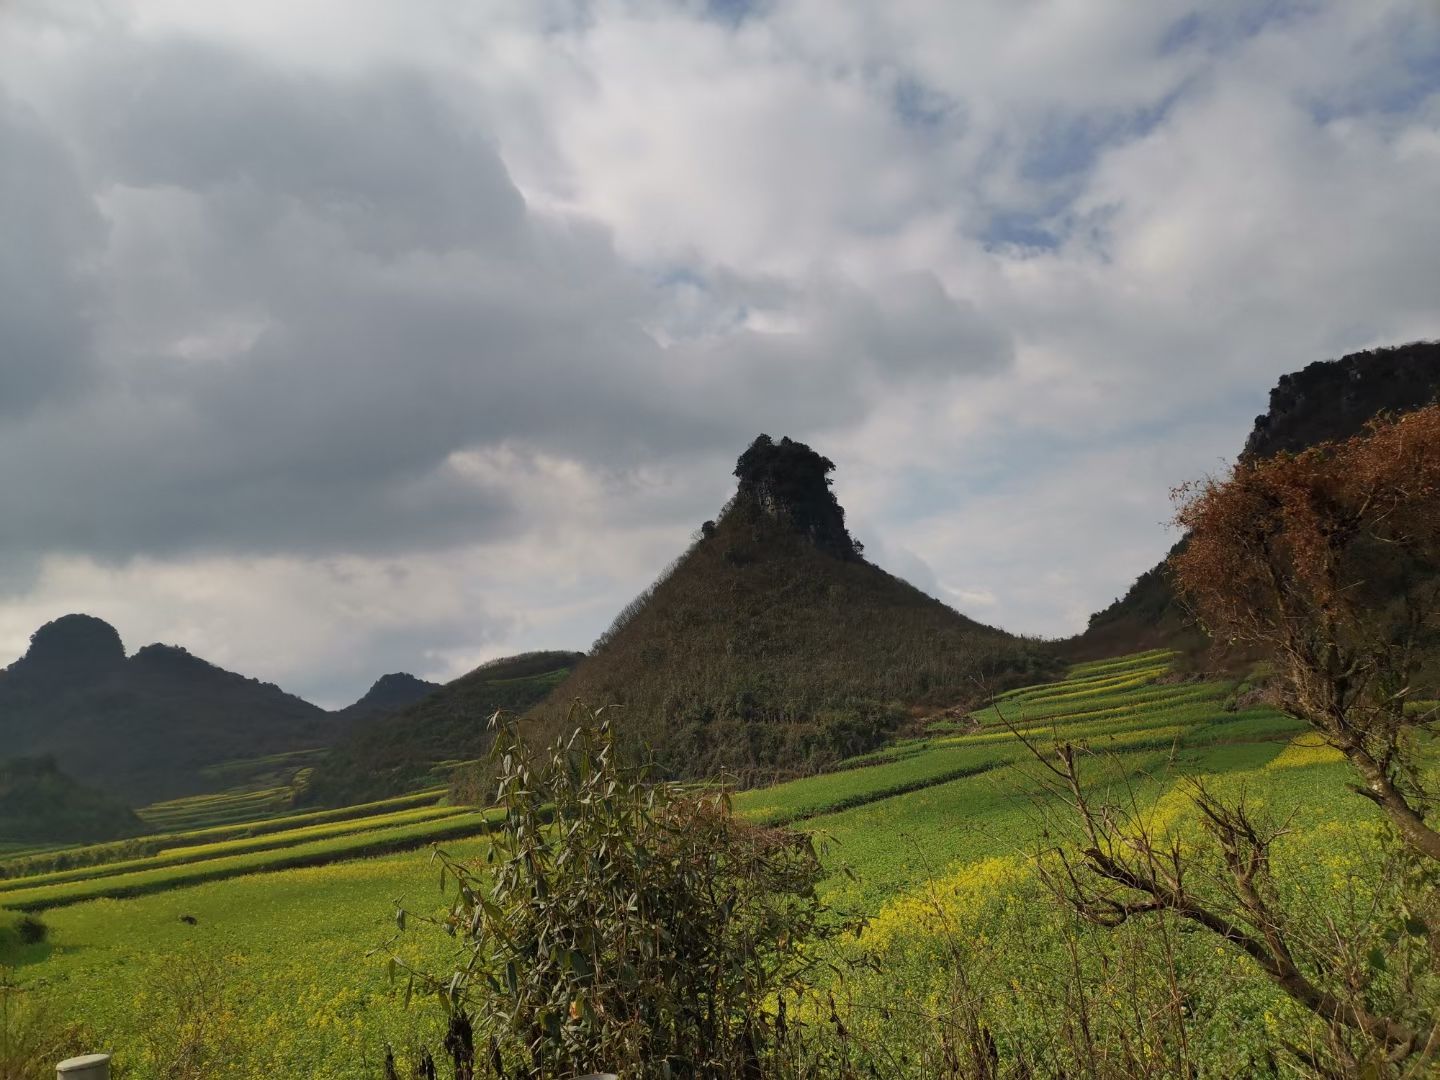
point(429, 331)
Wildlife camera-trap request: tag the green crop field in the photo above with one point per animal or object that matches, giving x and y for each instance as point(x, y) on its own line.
point(203, 852)
point(938, 834)
point(162, 877)
point(197, 811)
point(30, 862)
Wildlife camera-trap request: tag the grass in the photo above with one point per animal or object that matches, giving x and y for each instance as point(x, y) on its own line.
point(291, 950)
point(1119, 706)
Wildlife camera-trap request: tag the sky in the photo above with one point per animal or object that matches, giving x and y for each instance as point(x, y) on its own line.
point(357, 336)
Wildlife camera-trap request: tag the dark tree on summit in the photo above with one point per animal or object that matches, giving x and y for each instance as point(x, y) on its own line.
point(791, 482)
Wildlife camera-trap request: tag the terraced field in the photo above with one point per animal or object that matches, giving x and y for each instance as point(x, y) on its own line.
point(199, 811)
point(939, 833)
point(278, 851)
point(1119, 706)
point(31, 862)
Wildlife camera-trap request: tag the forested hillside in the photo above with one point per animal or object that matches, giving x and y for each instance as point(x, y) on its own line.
point(772, 647)
point(397, 752)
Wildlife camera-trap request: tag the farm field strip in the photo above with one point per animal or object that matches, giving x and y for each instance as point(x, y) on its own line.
point(202, 810)
point(827, 792)
point(312, 853)
point(95, 855)
point(1145, 699)
point(428, 797)
point(1071, 688)
point(201, 852)
point(1089, 668)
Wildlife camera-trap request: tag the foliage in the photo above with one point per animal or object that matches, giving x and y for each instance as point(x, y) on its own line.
point(188, 1020)
point(1327, 401)
point(762, 657)
point(1329, 561)
point(18, 930)
point(960, 922)
point(143, 727)
point(643, 928)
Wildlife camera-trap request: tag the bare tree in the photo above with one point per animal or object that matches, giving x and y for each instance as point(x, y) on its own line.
point(1327, 563)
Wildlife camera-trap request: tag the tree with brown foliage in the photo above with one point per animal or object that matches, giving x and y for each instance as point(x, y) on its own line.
point(1327, 563)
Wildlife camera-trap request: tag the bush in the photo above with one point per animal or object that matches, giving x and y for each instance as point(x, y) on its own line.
point(18, 930)
point(642, 929)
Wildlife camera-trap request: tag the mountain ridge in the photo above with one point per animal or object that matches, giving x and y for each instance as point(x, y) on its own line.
point(142, 726)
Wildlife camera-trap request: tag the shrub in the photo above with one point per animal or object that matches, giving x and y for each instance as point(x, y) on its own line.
point(642, 929)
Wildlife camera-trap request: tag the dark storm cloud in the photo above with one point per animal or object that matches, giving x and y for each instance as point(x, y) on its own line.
point(319, 290)
point(51, 230)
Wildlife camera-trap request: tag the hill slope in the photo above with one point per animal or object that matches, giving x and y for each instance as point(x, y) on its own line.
point(40, 804)
point(390, 693)
point(142, 727)
point(1327, 400)
point(397, 752)
point(773, 647)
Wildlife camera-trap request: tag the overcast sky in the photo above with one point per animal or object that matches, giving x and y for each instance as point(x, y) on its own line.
point(350, 336)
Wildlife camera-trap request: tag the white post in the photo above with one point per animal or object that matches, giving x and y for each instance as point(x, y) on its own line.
point(89, 1067)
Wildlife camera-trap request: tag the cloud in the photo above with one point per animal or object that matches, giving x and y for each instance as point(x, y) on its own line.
point(52, 229)
point(494, 294)
point(324, 288)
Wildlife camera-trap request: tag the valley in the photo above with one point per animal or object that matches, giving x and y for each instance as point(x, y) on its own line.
point(944, 826)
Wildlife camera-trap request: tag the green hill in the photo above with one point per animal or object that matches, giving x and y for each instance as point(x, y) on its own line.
point(143, 727)
point(771, 647)
point(390, 693)
point(398, 752)
point(41, 805)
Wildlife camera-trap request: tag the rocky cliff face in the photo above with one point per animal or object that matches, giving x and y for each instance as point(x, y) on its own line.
point(1333, 399)
point(790, 483)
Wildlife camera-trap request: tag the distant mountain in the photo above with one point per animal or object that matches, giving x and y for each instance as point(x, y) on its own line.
point(142, 727)
point(772, 646)
point(401, 751)
point(1326, 401)
point(41, 805)
point(390, 693)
